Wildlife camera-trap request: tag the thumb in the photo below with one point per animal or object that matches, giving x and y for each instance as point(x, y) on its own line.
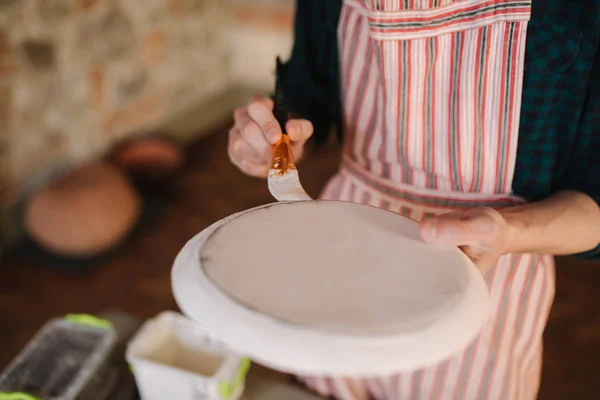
point(448, 230)
point(299, 130)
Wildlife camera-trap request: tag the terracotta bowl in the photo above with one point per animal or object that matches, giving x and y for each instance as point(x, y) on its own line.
point(85, 212)
point(150, 156)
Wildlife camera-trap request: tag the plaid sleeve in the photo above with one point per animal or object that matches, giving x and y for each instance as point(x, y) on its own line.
point(310, 79)
point(583, 169)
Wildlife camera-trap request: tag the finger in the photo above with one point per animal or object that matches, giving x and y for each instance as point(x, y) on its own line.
point(474, 253)
point(483, 261)
point(245, 165)
point(253, 135)
point(449, 230)
point(242, 150)
point(297, 151)
point(299, 130)
point(266, 101)
point(234, 136)
point(255, 170)
point(265, 119)
point(240, 115)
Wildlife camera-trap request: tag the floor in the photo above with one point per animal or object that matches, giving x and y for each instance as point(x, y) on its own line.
point(208, 188)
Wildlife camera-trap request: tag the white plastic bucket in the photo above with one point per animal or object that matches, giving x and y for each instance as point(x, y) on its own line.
point(173, 357)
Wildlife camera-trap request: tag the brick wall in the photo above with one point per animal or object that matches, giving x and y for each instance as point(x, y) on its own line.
point(262, 30)
point(78, 75)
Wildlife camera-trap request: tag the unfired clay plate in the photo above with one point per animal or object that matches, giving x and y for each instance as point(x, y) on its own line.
point(324, 287)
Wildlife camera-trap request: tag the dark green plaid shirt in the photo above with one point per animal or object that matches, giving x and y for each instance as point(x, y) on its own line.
point(559, 137)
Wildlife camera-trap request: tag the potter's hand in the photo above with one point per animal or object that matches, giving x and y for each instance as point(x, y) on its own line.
point(568, 222)
point(481, 233)
point(254, 133)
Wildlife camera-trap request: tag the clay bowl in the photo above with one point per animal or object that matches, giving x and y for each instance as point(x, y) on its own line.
point(83, 213)
point(148, 156)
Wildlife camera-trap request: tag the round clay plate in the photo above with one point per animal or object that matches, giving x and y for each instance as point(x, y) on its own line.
point(325, 287)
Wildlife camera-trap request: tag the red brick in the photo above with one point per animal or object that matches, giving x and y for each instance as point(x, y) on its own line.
point(87, 4)
point(154, 45)
point(54, 10)
point(175, 5)
point(7, 61)
point(141, 114)
point(97, 76)
point(6, 110)
point(185, 6)
point(275, 18)
point(8, 188)
point(48, 152)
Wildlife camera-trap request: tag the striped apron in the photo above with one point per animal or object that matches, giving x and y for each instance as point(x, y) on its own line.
point(431, 93)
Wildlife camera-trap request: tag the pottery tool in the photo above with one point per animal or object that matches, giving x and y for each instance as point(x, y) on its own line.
point(284, 182)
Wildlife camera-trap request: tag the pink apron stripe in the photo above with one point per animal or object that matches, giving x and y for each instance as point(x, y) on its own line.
point(354, 52)
point(366, 198)
point(518, 323)
point(426, 112)
point(470, 14)
point(384, 204)
point(500, 325)
point(465, 24)
point(407, 104)
point(416, 385)
point(396, 12)
point(345, 189)
point(528, 319)
point(525, 294)
point(455, 155)
point(433, 112)
point(375, 389)
point(471, 353)
point(353, 193)
point(401, 58)
point(426, 197)
point(482, 76)
point(340, 388)
point(358, 116)
point(440, 380)
point(510, 111)
point(541, 312)
point(343, 28)
point(385, 387)
point(367, 147)
point(382, 155)
point(515, 103)
point(507, 386)
point(504, 100)
point(395, 386)
point(319, 385)
point(464, 371)
point(351, 52)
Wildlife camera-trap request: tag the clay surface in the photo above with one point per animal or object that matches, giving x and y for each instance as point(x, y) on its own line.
point(338, 267)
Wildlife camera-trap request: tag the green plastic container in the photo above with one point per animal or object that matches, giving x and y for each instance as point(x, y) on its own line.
point(68, 359)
